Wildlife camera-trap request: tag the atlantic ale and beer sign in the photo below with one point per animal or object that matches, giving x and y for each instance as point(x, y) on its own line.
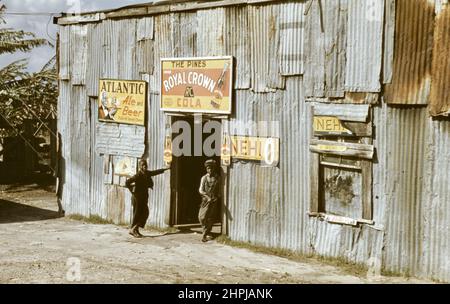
point(122, 101)
point(202, 85)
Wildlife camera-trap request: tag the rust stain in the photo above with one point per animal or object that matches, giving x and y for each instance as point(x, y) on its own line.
point(414, 30)
point(361, 98)
point(440, 86)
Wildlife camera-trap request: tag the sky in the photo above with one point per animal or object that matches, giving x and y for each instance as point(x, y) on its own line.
point(42, 25)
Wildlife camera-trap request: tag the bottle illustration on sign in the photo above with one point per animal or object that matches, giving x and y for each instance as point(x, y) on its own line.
point(218, 94)
point(225, 154)
point(168, 150)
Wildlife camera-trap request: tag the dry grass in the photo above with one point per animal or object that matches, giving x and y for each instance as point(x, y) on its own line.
point(348, 267)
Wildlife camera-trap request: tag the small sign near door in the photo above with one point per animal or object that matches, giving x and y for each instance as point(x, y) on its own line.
point(197, 85)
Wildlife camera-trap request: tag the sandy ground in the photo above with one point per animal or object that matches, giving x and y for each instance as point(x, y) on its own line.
point(37, 246)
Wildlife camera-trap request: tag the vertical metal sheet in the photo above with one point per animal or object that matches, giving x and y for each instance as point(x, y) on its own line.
point(407, 150)
point(79, 47)
point(292, 28)
point(314, 51)
point(295, 120)
point(440, 93)
point(335, 25)
point(389, 40)
point(436, 238)
point(97, 188)
point(185, 31)
point(94, 58)
point(79, 145)
point(264, 43)
point(211, 32)
point(364, 45)
point(238, 44)
point(159, 197)
point(64, 55)
point(411, 79)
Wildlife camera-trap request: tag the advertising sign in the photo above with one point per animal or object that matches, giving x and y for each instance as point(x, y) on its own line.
point(202, 85)
point(122, 101)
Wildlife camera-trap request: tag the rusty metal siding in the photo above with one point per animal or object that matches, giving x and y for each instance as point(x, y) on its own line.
point(211, 42)
point(238, 44)
point(292, 28)
point(264, 44)
point(411, 79)
point(145, 45)
point(440, 93)
point(314, 42)
point(119, 56)
point(364, 45)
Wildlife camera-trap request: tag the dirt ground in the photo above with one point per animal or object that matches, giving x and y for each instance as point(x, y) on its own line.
point(38, 246)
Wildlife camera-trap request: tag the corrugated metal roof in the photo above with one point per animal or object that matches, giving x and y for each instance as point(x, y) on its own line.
point(292, 28)
point(364, 45)
point(440, 92)
point(411, 79)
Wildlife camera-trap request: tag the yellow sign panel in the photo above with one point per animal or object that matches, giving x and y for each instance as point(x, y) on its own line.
point(122, 101)
point(202, 85)
point(329, 125)
point(264, 149)
point(332, 148)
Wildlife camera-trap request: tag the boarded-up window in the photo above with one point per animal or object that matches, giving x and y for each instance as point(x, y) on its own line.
point(341, 163)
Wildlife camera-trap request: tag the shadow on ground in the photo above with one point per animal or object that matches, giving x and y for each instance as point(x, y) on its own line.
point(11, 212)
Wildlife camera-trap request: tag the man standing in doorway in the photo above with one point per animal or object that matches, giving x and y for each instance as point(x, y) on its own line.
point(139, 185)
point(209, 191)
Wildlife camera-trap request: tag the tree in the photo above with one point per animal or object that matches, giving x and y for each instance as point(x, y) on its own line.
point(24, 95)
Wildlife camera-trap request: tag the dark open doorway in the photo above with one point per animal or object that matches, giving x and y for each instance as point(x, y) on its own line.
point(187, 171)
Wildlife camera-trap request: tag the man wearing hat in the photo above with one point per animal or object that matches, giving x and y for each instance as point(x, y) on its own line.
point(138, 185)
point(209, 191)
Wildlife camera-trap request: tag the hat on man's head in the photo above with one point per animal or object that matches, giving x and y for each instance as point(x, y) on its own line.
point(210, 163)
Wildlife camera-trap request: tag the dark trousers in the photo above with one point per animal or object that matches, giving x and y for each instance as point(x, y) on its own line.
point(140, 211)
point(206, 214)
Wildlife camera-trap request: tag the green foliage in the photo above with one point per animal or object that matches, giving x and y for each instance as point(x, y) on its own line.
point(24, 95)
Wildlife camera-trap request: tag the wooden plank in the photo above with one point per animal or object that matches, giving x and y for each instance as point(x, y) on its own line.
point(85, 18)
point(314, 167)
point(342, 148)
point(129, 12)
point(367, 176)
point(366, 170)
point(356, 113)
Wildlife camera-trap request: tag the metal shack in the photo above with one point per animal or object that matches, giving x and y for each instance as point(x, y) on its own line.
point(358, 91)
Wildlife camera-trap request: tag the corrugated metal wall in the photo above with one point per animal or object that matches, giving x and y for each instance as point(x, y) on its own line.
point(338, 48)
